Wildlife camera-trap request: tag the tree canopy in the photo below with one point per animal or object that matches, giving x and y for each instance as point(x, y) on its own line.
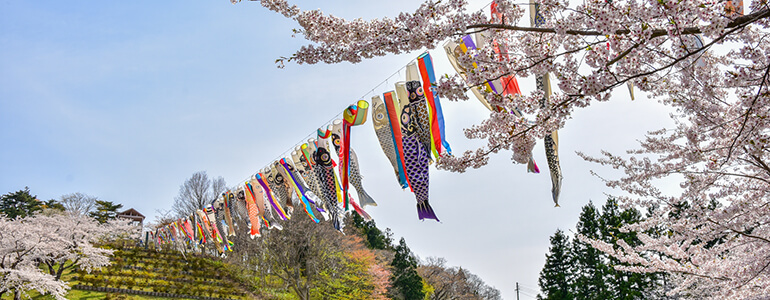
point(575, 270)
point(19, 204)
point(105, 211)
point(196, 192)
point(37, 249)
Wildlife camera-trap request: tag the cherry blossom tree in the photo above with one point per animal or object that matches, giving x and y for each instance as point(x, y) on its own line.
point(705, 59)
point(54, 243)
point(21, 245)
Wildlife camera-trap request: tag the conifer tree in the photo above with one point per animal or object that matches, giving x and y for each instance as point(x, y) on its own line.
point(407, 284)
point(19, 204)
point(375, 238)
point(105, 211)
point(53, 205)
point(555, 278)
point(622, 284)
point(588, 261)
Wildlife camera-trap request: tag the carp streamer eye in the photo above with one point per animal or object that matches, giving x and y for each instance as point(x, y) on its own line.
point(379, 116)
point(325, 157)
point(420, 91)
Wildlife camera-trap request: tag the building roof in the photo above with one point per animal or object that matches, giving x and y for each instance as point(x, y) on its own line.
point(131, 213)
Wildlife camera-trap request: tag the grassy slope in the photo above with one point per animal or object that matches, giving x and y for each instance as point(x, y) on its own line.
point(86, 295)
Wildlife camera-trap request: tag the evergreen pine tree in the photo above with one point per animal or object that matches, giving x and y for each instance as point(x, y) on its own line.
point(105, 211)
point(19, 204)
point(588, 262)
point(375, 238)
point(53, 204)
point(623, 285)
point(555, 277)
point(407, 284)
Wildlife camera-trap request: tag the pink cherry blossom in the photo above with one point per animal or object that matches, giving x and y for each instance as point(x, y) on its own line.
point(707, 63)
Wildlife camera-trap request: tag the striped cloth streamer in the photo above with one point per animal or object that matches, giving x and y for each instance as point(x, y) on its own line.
point(276, 206)
point(392, 107)
point(439, 145)
point(297, 187)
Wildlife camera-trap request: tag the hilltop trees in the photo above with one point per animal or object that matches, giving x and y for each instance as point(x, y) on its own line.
point(22, 204)
point(196, 192)
point(19, 204)
point(105, 211)
point(78, 203)
point(52, 204)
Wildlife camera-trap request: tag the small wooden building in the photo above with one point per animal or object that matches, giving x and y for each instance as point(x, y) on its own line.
point(133, 215)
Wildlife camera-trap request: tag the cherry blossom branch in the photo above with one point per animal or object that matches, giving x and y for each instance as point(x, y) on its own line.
point(743, 233)
point(737, 22)
point(756, 274)
point(761, 164)
point(574, 97)
point(748, 113)
point(529, 66)
point(722, 278)
point(720, 173)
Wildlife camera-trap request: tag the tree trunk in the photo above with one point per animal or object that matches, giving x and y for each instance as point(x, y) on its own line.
point(60, 271)
point(301, 291)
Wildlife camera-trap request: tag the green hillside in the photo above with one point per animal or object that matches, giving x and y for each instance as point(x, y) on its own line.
point(137, 273)
point(164, 274)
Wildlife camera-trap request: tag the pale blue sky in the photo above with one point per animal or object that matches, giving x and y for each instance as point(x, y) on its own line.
point(125, 100)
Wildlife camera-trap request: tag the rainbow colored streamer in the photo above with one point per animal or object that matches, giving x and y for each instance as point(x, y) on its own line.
point(269, 192)
point(392, 108)
point(299, 190)
point(439, 145)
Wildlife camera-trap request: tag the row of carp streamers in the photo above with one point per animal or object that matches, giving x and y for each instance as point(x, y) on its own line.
point(409, 125)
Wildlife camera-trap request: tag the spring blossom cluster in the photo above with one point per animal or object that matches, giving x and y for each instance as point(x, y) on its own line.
point(34, 251)
point(707, 60)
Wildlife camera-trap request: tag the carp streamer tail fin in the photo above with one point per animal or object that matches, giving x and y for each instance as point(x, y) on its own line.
point(555, 190)
point(365, 199)
point(425, 211)
point(532, 166)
